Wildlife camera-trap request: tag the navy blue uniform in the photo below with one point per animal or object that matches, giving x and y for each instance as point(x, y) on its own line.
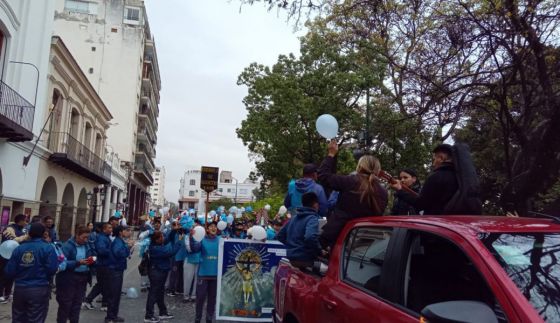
point(117, 265)
point(71, 283)
point(32, 265)
point(102, 247)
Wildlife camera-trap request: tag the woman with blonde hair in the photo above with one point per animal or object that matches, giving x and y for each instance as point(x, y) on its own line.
point(360, 193)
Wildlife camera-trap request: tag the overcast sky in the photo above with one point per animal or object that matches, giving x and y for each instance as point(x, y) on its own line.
point(202, 47)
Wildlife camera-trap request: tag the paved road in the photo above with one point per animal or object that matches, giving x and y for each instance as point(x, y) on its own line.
point(132, 310)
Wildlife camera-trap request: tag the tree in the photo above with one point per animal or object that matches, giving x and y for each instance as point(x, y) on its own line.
point(451, 60)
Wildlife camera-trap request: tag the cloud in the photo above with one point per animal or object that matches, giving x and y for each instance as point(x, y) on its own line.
point(202, 47)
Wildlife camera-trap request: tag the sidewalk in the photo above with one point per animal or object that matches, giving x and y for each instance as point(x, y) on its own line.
point(132, 310)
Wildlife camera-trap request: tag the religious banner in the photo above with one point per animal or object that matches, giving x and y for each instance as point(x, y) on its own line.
point(246, 271)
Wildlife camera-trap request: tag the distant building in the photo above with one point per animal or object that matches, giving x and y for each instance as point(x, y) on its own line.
point(113, 44)
point(157, 191)
point(191, 196)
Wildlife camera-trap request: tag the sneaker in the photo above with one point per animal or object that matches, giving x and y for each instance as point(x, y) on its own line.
point(151, 319)
point(171, 294)
point(165, 316)
point(88, 305)
point(4, 300)
point(103, 308)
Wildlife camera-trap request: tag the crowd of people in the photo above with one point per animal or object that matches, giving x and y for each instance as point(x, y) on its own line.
point(179, 252)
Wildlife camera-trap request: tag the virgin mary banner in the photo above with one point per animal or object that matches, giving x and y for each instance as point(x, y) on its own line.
point(246, 271)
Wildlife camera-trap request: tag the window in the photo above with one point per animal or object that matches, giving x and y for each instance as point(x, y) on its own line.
point(439, 271)
point(243, 191)
point(227, 181)
point(191, 193)
point(229, 190)
point(80, 7)
point(364, 254)
point(132, 15)
point(530, 260)
point(220, 190)
point(192, 182)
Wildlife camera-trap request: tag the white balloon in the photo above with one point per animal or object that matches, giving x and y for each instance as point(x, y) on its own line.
point(238, 215)
point(282, 210)
point(230, 219)
point(7, 248)
point(258, 232)
point(233, 209)
point(166, 209)
point(327, 126)
point(250, 231)
point(199, 233)
point(242, 209)
point(161, 211)
point(267, 207)
point(132, 293)
point(222, 225)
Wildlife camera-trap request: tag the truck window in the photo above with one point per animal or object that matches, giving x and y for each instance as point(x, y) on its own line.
point(439, 271)
point(364, 253)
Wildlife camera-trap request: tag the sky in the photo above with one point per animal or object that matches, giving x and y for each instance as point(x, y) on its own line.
point(202, 47)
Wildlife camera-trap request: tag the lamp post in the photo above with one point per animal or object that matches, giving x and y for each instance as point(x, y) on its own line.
point(235, 198)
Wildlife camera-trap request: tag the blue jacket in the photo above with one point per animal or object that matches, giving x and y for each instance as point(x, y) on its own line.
point(160, 255)
point(103, 249)
point(69, 248)
point(192, 257)
point(208, 248)
point(32, 264)
point(304, 185)
point(301, 235)
point(118, 255)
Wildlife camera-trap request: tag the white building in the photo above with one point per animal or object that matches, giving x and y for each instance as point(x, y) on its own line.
point(157, 191)
point(192, 196)
point(25, 40)
point(114, 46)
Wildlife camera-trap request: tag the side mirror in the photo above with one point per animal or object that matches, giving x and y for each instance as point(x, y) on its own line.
point(458, 312)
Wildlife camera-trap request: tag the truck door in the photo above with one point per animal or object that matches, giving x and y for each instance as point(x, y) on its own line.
point(355, 292)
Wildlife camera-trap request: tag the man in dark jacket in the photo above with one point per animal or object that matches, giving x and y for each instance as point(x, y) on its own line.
point(48, 221)
point(303, 185)
point(439, 187)
point(301, 234)
point(32, 265)
point(120, 250)
point(102, 250)
point(72, 282)
point(17, 232)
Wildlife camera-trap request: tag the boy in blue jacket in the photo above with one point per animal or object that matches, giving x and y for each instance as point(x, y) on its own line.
point(32, 265)
point(102, 249)
point(301, 234)
point(120, 250)
point(207, 271)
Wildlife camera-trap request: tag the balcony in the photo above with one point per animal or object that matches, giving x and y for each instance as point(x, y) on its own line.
point(147, 114)
point(143, 167)
point(71, 154)
point(16, 115)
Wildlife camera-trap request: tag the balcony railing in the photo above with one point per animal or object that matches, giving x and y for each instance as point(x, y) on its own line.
point(144, 168)
point(68, 152)
point(16, 115)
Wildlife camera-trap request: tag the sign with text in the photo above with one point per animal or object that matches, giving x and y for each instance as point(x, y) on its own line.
point(209, 178)
point(246, 279)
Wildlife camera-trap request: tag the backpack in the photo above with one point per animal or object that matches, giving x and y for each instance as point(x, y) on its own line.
point(466, 201)
point(144, 266)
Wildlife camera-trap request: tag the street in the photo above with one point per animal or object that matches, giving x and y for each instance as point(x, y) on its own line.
point(132, 310)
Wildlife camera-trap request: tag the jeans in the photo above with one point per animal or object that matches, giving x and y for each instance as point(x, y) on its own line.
point(69, 295)
point(113, 284)
point(5, 283)
point(31, 304)
point(206, 288)
point(98, 287)
point(189, 279)
point(157, 292)
point(176, 277)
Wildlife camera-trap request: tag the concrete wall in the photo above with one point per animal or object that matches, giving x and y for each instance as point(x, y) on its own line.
point(27, 26)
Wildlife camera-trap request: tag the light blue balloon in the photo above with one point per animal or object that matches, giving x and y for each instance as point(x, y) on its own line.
point(229, 219)
point(327, 126)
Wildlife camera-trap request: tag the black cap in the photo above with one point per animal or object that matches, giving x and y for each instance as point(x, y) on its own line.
point(444, 148)
point(36, 230)
point(309, 169)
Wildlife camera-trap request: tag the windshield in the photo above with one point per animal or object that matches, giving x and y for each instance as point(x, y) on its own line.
point(531, 261)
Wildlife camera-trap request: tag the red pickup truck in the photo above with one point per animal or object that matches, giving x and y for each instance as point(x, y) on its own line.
point(430, 269)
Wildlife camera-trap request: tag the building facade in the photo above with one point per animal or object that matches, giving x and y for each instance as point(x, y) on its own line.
point(25, 39)
point(157, 191)
point(107, 36)
point(191, 196)
point(74, 166)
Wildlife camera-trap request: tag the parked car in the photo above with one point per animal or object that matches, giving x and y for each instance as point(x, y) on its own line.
point(430, 269)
